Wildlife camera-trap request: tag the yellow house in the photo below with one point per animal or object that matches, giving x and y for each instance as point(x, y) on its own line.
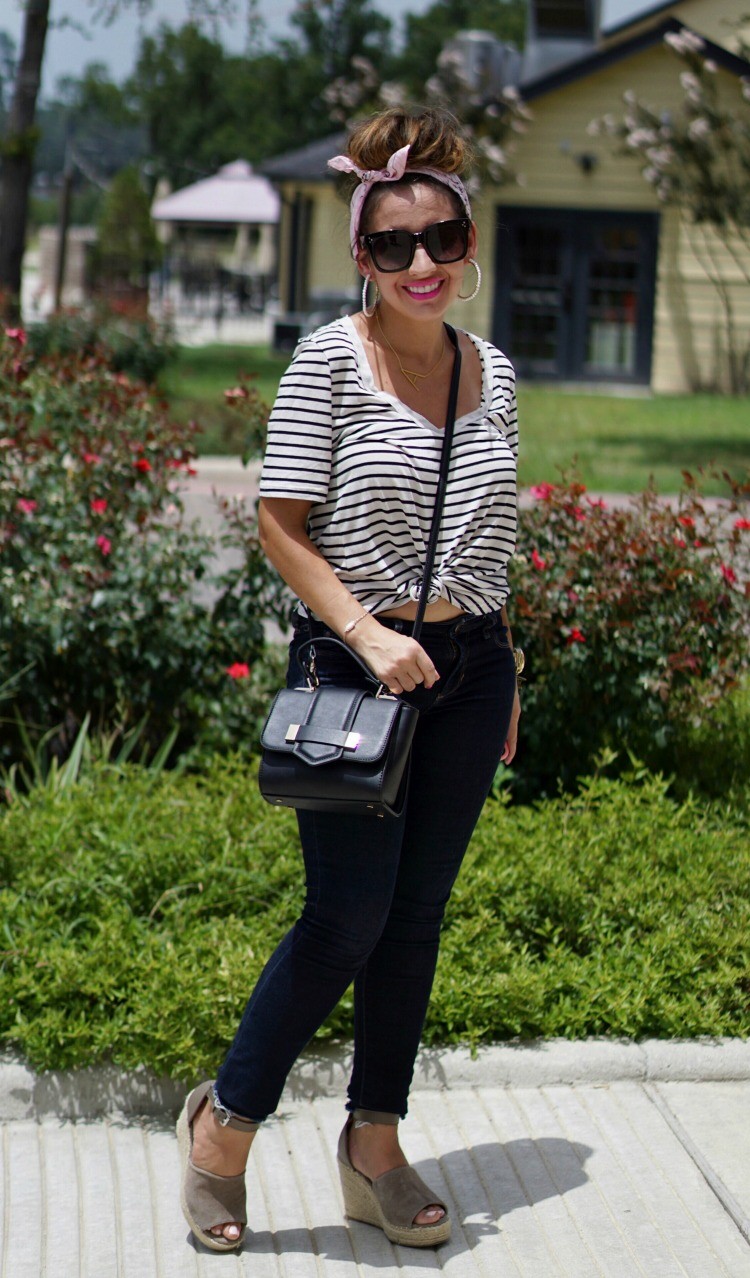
point(588, 278)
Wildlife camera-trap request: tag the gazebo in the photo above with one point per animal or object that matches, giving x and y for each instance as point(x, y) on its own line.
point(222, 228)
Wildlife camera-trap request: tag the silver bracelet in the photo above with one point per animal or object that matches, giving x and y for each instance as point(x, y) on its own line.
point(351, 624)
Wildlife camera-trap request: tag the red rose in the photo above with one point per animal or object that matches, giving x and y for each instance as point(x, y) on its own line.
point(240, 670)
point(537, 560)
point(686, 521)
point(542, 492)
point(729, 574)
point(26, 505)
point(91, 459)
point(143, 464)
point(104, 544)
point(575, 636)
point(742, 523)
point(99, 505)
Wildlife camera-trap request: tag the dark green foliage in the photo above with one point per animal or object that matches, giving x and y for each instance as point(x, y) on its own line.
point(137, 347)
point(100, 572)
point(203, 107)
point(614, 912)
point(139, 910)
point(428, 32)
point(127, 247)
point(634, 621)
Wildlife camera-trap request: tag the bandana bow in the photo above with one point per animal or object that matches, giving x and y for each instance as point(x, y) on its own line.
point(393, 172)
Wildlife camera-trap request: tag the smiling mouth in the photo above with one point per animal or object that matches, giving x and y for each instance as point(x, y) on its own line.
point(429, 289)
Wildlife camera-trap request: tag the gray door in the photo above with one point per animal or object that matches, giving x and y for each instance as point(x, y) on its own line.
point(575, 293)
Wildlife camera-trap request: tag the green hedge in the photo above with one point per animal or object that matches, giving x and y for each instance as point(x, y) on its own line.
point(139, 910)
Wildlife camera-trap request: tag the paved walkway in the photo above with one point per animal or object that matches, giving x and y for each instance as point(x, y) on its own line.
point(619, 1177)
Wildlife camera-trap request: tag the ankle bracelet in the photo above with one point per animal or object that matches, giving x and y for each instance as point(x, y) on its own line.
point(225, 1118)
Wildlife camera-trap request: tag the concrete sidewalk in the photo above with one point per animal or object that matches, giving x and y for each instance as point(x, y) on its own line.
point(643, 1172)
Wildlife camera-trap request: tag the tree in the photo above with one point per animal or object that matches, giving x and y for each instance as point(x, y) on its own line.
point(128, 248)
point(204, 107)
point(88, 123)
point(18, 155)
point(492, 114)
point(180, 88)
point(21, 134)
point(697, 160)
point(429, 32)
point(335, 31)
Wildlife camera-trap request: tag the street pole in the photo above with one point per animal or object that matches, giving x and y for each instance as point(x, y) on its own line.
point(63, 223)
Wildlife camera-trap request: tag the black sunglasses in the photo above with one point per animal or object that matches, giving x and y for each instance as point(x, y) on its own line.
point(443, 241)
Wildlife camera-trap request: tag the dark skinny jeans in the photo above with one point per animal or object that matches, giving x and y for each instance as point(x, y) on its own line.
point(376, 889)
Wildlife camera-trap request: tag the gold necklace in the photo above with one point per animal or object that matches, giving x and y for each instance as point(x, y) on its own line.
point(410, 374)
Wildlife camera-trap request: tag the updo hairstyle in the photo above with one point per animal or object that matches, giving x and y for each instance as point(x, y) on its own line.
point(435, 141)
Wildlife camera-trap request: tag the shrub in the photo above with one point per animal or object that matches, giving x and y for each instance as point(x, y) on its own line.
point(139, 910)
point(100, 572)
point(138, 347)
point(634, 622)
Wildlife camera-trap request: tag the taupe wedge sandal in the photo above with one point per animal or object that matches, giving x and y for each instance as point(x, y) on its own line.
point(208, 1199)
point(391, 1201)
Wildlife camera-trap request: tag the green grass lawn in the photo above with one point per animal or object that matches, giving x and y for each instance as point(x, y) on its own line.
point(620, 443)
point(195, 383)
point(617, 443)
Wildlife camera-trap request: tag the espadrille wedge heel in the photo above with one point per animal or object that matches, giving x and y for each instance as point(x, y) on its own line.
point(391, 1202)
point(207, 1199)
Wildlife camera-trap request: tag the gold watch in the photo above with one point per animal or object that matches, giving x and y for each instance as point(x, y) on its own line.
point(519, 660)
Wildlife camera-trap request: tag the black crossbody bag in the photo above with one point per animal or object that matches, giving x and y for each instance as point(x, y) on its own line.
point(333, 749)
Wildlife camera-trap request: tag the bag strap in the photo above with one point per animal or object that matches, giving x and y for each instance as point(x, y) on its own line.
point(445, 455)
point(437, 511)
point(309, 665)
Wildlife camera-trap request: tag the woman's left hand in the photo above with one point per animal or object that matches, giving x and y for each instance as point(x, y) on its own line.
point(511, 742)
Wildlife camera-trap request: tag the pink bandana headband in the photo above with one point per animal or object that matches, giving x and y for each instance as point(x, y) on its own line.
point(393, 172)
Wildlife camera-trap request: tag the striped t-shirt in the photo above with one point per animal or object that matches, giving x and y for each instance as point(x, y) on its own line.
point(370, 465)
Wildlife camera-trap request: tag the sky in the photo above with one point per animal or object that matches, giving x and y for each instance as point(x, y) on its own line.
point(70, 47)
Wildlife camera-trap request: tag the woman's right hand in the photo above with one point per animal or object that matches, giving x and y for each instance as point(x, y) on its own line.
point(397, 660)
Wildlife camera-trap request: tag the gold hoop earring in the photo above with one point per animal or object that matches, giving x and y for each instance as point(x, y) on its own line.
point(469, 297)
point(369, 314)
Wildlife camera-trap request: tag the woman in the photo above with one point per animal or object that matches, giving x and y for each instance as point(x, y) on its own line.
point(347, 491)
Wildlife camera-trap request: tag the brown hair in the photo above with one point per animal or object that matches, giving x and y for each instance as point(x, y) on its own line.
point(434, 138)
point(435, 141)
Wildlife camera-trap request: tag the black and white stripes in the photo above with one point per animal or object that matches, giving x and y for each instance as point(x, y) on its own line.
point(369, 465)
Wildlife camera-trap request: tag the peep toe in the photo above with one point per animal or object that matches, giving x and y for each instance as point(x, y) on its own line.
point(391, 1202)
point(207, 1199)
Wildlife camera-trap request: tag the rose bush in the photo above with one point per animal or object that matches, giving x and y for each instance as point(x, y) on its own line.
point(129, 344)
point(634, 622)
point(101, 576)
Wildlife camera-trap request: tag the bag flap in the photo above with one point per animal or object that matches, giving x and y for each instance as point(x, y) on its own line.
point(330, 724)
